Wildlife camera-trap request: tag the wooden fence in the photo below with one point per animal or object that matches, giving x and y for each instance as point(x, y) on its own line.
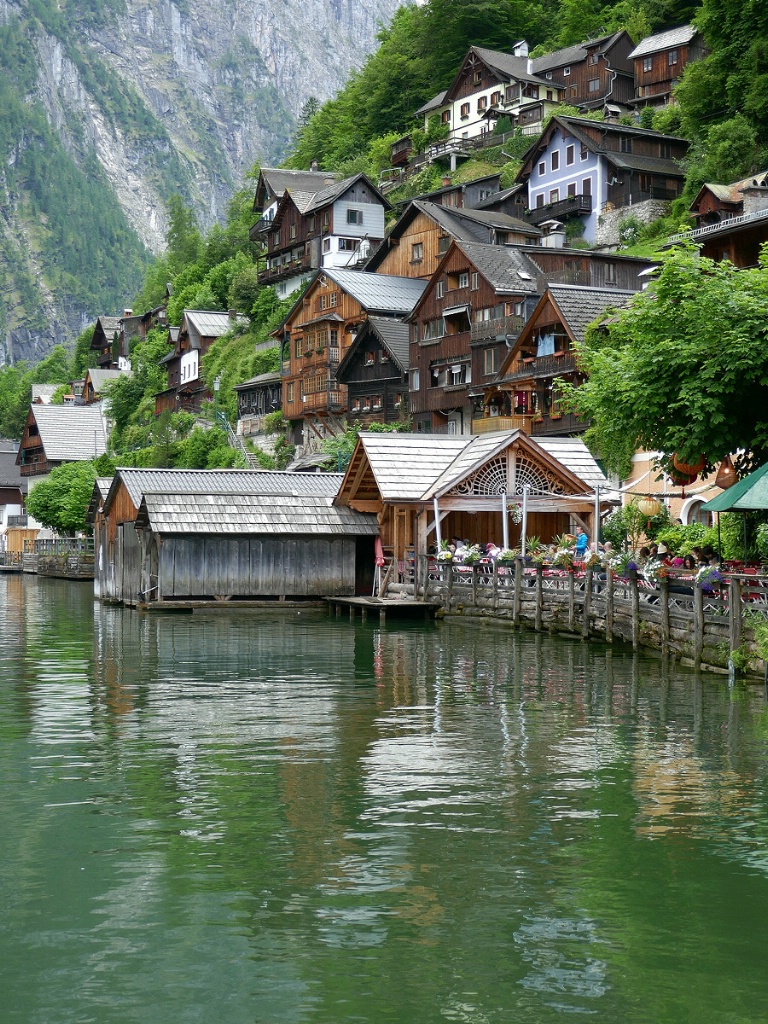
point(678, 615)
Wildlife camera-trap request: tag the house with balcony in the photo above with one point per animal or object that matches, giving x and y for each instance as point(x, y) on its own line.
point(423, 234)
point(731, 220)
point(55, 434)
point(490, 85)
point(109, 342)
point(593, 74)
point(375, 372)
point(525, 394)
point(659, 61)
point(337, 226)
point(316, 335)
point(13, 491)
point(257, 398)
point(472, 309)
point(600, 173)
point(273, 183)
point(199, 329)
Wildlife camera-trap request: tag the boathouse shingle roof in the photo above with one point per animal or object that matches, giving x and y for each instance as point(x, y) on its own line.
point(237, 513)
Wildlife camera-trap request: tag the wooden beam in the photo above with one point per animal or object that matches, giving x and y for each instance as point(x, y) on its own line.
point(365, 506)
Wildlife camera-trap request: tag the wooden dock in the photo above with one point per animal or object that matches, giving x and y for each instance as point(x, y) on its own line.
point(400, 607)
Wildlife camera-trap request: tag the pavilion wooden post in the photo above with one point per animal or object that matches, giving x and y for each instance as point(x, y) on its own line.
point(539, 597)
point(518, 588)
point(495, 570)
point(438, 530)
point(571, 602)
point(587, 604)
point(596, 529)
point(698, 623)
point(504, 521)
point(524, 525)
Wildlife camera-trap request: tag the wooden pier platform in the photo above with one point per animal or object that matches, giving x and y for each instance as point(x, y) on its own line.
point(397, 607)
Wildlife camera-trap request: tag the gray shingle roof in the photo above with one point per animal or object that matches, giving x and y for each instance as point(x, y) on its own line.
point(507, 269)
point(209, 324)
point(418, 467)
point(261, 378)
point(109, 324)
point(71, 433)
point(436, 101)
point(664, 40)
point(100, 377)
point(280, 180)
point(239, 514)
point(571, 54)
point(510, 66)
point(581, 306)
point(646, 164)
point(474, 225)
point(223, 481)
point(332, 192)
point(379, 292)
point(10, 472)
point(394, 334)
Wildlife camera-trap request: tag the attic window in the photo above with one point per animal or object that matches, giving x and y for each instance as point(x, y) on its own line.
point(549, 75)
point(594, 58)
point(478, 77)
point(370, 358)
point(566, 72)
point(672, 57)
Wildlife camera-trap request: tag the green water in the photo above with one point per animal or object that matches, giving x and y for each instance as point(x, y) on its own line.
point(283, 818)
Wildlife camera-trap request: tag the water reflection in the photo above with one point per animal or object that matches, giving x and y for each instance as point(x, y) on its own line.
point(283, 817)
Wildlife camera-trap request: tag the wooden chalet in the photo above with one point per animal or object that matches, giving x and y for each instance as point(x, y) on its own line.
point(119, 563)
point(591, 74)
point(256, 398)
point(461, 195)
point(525, 394)
point(731, 220)
point(375, 372)
point(94, 383)
point(13, 491)
point(425, 230)
point(199, 329)
point(55, 434)
point(477, 299)
point(466, 485)
point(337, 226)
point(273, 183)
point(660, 59)
point(582, 169)
point(317, 333)
point(109, 342)
point(489, 85)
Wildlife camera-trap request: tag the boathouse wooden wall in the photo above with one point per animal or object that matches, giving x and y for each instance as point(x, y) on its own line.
point(207, 566)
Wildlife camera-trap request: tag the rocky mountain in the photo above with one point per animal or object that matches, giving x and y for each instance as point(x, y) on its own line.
point(107, 107)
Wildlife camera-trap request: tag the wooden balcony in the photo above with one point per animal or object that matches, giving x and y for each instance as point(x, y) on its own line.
point(493, 424)
point(571, 206)
point(330, 400)
point(290, 269)
point(544, 366)
point(500, 328)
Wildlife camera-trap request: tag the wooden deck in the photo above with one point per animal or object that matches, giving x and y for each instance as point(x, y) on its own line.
point(399, 607)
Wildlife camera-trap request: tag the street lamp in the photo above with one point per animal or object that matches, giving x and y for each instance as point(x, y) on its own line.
point(216, 386)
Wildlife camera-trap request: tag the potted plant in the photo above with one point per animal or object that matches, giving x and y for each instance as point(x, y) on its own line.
point(472, 555)
point(445, 554)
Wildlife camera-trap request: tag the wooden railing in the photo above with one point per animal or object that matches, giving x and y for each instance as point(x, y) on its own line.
point(500, 327)
point(700, 623)
point(491, 424)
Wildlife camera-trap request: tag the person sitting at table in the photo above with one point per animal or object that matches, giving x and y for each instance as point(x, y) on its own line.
point(492, 551)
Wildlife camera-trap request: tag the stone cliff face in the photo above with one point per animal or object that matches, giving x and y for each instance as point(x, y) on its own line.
point(153, 98)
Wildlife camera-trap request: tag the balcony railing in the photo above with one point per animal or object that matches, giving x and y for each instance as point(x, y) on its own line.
point(543, 366)
point(501, 327)
point(286, 269)
point(492, 424)
point(322, 401)
point(571, 206)
point(18, 521)
point(261, 227)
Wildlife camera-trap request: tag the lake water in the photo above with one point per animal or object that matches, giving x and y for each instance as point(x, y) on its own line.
point(281, 818)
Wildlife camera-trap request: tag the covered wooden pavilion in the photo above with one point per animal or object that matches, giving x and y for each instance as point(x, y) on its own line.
point(424, 487)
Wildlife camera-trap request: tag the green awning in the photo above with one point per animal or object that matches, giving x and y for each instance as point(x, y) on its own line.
point(748, 494)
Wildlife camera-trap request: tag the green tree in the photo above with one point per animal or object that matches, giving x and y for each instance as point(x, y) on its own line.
point(61, 501)
point(683, 368)
point(183, 238)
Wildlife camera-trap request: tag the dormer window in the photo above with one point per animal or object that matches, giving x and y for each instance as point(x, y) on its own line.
point(566, 72)
point(594, 58)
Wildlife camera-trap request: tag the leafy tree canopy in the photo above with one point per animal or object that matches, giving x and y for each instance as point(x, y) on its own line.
point(684, 368)
point(60, 502)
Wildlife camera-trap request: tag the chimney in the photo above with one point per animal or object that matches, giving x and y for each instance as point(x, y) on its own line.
point(313, 166)
point(127, 312)
point(232, 314)
point(520, 49)
point(446, 180)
